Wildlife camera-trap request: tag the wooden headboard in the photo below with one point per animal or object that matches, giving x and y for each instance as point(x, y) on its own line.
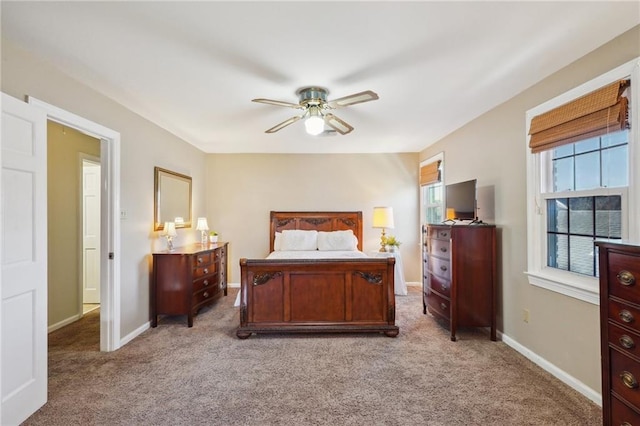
point(320, 221)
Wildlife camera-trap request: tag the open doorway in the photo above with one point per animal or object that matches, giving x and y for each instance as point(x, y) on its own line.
point(109, 154)
point(73, 221)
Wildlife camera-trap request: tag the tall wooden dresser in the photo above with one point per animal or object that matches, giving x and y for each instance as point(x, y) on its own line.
point(620, 332)
point(459, 275)
point(186, 279)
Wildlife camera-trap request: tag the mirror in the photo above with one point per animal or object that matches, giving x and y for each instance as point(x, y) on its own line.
point(172, 199)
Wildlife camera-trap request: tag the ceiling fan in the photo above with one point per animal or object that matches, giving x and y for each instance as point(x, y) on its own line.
point(316, 110)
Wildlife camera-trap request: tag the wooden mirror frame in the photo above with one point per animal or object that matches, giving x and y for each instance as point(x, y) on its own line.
point(160, 194)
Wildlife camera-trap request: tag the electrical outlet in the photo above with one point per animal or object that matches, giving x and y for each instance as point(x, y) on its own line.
point(525, 315)
point(123, 214)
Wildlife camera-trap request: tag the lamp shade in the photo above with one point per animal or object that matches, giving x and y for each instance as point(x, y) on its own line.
point(383, 217)
point(202, 224)
point(170, 229)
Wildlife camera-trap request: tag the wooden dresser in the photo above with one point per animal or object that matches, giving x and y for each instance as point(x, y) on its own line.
point(620, 332)
point(459, 275)
point(186, 279)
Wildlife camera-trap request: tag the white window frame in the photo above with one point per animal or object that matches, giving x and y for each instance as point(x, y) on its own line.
point(571, 284)
point(432, 159)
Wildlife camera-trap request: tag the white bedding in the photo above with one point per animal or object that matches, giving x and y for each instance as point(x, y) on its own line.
point(316, 254)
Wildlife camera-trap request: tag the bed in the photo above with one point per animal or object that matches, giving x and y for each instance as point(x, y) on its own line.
point(328, 288)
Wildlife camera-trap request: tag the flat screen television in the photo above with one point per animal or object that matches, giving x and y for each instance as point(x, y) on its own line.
point(460, 200)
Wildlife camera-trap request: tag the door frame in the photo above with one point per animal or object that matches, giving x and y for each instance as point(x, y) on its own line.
point(109, 218)
point(82, 158)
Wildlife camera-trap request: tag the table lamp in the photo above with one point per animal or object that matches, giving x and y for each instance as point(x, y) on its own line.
point(383, 218)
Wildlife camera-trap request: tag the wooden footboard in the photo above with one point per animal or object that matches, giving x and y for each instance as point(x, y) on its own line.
point(310, 296)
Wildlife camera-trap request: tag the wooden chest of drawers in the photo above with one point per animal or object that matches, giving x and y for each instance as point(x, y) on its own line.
point(186, 279)
point(620, 332)
point(459, 274)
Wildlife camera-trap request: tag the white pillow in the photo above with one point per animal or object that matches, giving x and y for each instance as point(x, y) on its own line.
point(277, 242)
point(337, 240)
point(297, 240)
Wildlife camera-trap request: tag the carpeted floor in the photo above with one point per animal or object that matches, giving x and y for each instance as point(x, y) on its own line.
point(173, 375)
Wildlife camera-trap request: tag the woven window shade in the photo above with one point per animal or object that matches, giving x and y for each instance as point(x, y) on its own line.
point(430, 173)
point(594, 114)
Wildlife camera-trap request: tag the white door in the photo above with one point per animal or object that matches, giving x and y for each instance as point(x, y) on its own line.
point(23, 286)
point(90, 231)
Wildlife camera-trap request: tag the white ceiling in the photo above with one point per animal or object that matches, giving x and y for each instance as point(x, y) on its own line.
point(193, 68)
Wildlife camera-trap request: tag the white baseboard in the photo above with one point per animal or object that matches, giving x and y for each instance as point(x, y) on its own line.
point(560, 374)
point(135, 333)
point(62, 323)
point(233, 285)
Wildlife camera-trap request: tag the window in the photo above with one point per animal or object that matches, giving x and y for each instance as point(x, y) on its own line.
point(579, 182)
point(431, 190)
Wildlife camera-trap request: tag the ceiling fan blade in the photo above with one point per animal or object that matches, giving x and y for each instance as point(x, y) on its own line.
point(334, 122)
point(284, 124)
point(356, 98)
point(277, 103)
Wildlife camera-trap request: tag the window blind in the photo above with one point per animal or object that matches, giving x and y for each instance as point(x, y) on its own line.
point(594, 114)
point(430, 173)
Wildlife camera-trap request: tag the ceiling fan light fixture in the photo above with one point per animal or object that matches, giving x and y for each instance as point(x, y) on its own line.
point(314, 124)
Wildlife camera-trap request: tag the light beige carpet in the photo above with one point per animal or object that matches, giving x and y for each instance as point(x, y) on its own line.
point(174, 375)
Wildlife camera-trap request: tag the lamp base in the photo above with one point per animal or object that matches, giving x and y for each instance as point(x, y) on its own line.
point(383, 242)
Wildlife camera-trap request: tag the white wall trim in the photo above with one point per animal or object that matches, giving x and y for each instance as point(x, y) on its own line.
point(110, 217)
point(63, 323)
point(135, 333)
point(552, 369)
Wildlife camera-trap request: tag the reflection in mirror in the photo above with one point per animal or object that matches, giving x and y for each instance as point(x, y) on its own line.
point(172, 199)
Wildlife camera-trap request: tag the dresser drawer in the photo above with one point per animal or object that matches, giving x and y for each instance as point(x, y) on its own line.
point(203, 259)
point(439, 305)
point(625, 376)
point(202, 271)
point(206, 282)
point(624, 314)
point(440, 248)
point(624, 276)
point(205, 295)
point(440, 267)
point(440, 285)
point(621, 414)
point(439, 233)
point(625, 340)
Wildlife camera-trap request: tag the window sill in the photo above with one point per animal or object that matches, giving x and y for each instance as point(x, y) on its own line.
point(568, 284)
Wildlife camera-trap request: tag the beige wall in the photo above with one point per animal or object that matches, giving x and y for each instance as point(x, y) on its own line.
point(563, 330)
point(243, 188)
point(64, 171)
point(143, 146)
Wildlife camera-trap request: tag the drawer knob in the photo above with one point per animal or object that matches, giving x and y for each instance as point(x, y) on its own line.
point(443, 249)
point(206, 270)
point(205, 282)
point(199, 260)
point(626, 278)
point(443, 306)
point(443, 287)
point(443, 268)
point(206, 294)
point(626, 342)
point(628, 380)
point(626, 316)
